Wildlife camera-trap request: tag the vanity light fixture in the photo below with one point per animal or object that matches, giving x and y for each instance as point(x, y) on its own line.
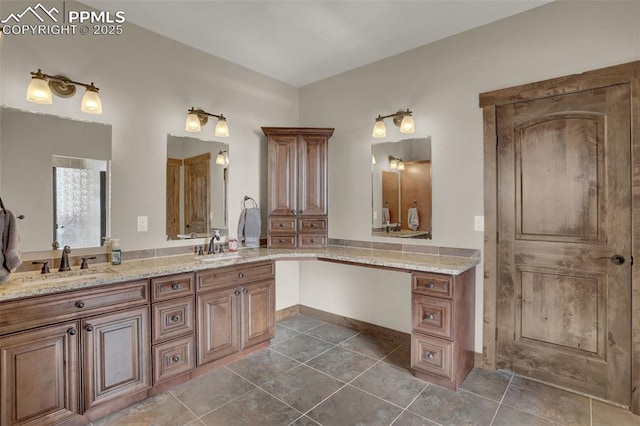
point(222, 159)
point(198, 118)
point(42, 85)
point(396, 163)
point(402, 119)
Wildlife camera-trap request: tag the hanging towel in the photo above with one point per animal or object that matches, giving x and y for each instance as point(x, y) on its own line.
point(9, 244)
point(249, 227)
point(413, 220)
point(386, 216)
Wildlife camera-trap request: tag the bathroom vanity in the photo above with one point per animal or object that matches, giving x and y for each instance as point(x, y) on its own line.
point(79, 345)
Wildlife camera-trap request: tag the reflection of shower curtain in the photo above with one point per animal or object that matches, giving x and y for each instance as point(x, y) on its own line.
point(386, 216)
point(412, 220)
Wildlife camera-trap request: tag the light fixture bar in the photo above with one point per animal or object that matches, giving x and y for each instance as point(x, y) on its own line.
point(198, 117)
point(39, 74)
point(402, 119)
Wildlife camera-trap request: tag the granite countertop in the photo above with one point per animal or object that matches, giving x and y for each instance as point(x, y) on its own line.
point(26, 284)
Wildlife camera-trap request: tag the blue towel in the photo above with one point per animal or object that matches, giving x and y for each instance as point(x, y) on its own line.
point(250, 226)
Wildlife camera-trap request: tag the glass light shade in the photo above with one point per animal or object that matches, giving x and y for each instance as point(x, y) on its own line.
point(222, 128)
point(39, 92)
point(193, 123)
point(393, 164)
point(400, 165)
point(220, 160)
point(407, 126)
point(379, 129)
point(91, 103)
point(373, 159)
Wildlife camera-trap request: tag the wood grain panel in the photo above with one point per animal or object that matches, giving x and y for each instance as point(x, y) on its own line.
point(258, 312)
point(218, 324)
point(312, 175)
point(415, 184)
point(171, 359)
point(197, 193)
point(173, 197)
point(282, 199)
point(172, 318)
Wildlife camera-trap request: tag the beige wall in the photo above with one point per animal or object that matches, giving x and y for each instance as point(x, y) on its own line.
point(440, 82)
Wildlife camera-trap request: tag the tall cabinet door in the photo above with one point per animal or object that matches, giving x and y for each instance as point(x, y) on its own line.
point(116, 355)
point(282, 175)
point(39, 375)
point(218, 324)
point(258, 312)
point(312, 164)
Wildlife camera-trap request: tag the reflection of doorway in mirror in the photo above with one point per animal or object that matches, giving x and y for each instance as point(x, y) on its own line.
point(390, 197)
point(79, 201)
point(415, 190)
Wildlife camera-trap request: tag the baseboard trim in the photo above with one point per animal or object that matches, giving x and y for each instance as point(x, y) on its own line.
point(364, 327)
point(287, 312)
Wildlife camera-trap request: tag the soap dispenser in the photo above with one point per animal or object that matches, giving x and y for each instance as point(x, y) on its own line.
point(115, 251)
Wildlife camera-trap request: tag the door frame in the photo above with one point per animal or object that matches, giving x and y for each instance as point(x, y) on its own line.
point(628, 73)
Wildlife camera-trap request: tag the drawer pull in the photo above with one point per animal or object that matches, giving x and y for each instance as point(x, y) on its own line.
point(175, 287)
point(79, 305)
point(431, 285)
point(429, 317)
point(245, 291)
point(282, 225)
point(72, 332)
point(89, 328)
point(237, 292)
point(281, 241)
point(313, 241)
point(429, 355)
point(241, 275)
point(175, 318)
point(313, 225)
point(175, 359)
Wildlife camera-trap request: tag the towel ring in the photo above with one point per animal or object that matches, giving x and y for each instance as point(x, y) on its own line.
point(247, 198)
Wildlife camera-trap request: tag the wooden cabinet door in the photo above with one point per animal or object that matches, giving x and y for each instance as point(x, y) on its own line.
point(39, 375)
point(173, 197)
point(258, 312)
point(312, 175)
point(116, 355)
point(282, 175)
point(218, 324)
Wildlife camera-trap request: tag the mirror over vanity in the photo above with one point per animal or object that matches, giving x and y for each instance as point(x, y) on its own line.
point(401, 188)
point(197, 183)
point(55, 172)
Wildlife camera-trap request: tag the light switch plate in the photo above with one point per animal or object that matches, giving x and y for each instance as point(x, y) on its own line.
point(478, 223)
point(143, 223)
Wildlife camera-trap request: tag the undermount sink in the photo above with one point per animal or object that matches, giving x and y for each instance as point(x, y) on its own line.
point(42, 279)
point(218, 256)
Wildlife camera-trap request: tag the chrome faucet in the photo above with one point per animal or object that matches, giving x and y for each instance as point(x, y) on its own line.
point(212, 244)
point(398, 227)
point(64, 261)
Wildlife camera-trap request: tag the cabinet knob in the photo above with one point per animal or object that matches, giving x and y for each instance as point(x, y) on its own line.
point(300, 211)
point(281, 225)
point(175, 287)
point(175, 358)
point(89, 328)
point(281, 241)
point(72, 332)
point(237, 292)
point(241, 275)
point(245, 291)
point(429, 317)
point(431, 285)
point(80, 305)
point(175, 318)
point(429, 355)
point(313, 225)
point(313, 241)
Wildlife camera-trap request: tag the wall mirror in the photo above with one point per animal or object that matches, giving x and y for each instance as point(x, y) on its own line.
point(55, 172)
point(401, 188)
point(197, 183)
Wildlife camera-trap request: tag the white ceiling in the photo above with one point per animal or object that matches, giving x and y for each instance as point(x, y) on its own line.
point(300, 42)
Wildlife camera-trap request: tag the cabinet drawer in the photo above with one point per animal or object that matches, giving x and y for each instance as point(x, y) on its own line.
point(432, 315)
point(172, 286)
point(433, 285)
point(35, 311)
point(284, 224)
point(309, 225)
point(432, 355)
point(312, 240)
point(281, 241)
point(234, 275)
point(173, 358)
point(173, 318)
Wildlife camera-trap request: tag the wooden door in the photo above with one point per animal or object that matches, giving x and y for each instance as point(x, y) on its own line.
point(40, 375)
point(282, 183)
point(258, 312)
point(391, 196)
point(218, 324)
point(174, 165)
point(312, 175)
point(415, 191)
point(564, 208)
point(197, 193)
point(115, 355)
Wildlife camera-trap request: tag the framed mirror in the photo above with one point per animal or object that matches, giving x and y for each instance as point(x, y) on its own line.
point(197, 184)
point(56, 172)
point(401, 188)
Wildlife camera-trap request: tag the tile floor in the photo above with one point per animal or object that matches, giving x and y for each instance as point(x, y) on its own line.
point(317, 373)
